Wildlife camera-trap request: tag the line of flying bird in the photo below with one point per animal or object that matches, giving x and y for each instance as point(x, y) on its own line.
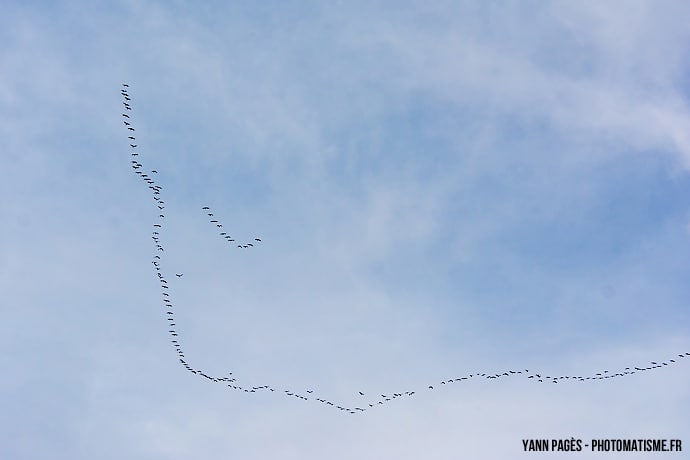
point(225, 235)
point(367, 403)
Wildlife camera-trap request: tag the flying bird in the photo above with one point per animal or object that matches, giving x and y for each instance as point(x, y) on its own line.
point(179, 274)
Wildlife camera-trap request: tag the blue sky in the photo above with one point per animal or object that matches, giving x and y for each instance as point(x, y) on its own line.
point(444, 190)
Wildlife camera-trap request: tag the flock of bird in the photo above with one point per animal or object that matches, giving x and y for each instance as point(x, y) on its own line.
point(225, 235)
point(367, 402)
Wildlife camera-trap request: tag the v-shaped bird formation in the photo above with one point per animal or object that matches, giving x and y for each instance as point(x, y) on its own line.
point(367, 402)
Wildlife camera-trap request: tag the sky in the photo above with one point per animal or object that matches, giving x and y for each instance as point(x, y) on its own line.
point(441, 189)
